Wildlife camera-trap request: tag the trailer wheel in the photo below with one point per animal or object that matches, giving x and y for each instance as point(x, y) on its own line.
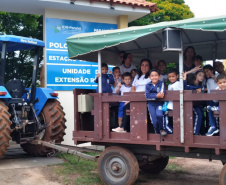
point(222, 177)
point(156, 166)
point(118, 166)
point(5, 129)
point(53, 116)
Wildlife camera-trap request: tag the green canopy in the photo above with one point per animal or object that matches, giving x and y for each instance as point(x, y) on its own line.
point(202, 33)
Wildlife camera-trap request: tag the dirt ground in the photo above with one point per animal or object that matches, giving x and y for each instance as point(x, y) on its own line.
point(181, 171)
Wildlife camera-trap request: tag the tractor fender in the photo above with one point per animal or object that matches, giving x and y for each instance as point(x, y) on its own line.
point(43, 94)
point(5, 97)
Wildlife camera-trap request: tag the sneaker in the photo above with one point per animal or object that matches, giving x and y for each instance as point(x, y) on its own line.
point(212, 131)
point(163, 133)
point(212, 108)
point(119, 129)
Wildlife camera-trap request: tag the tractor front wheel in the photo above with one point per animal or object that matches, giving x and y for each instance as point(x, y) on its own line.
point(5, 129)
point(52, 116)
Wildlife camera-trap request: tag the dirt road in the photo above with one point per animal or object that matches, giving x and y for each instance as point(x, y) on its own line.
point(180, 171)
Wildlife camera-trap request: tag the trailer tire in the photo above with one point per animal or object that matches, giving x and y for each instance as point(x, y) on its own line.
point(156, 166)
point(53, 116)
point(222, 176)
point(5, 129)
point(118, 166)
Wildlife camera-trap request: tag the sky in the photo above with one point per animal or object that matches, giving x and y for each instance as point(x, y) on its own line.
point(207, 8)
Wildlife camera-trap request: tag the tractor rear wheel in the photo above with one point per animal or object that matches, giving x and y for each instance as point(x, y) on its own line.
point(52, 116)
point(5, 129)
point(155, 166)
point(118, 166)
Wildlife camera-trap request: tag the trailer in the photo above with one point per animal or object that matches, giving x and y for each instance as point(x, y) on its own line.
point(96, 113)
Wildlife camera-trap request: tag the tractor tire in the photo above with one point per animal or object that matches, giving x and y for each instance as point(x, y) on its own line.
point(5, 129)
point(53, 116)
point(156, 166)
point(118, 166)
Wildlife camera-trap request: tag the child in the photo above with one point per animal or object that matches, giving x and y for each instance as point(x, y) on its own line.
point(107, 79)
point(221, 83)
point(219, 67)
point(153, 90)
point(126, 87)
point(173, 86)
point(211, 85)
point(195, 83)
point(198, 61)
point(161, 66)
point(133, 73)
point(117, 78)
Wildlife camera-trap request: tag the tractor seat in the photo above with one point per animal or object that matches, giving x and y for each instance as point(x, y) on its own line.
point(15, 88)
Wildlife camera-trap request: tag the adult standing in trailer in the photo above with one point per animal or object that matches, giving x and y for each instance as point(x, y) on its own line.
point(189, 58)
point(139, 83)
point(127, 65)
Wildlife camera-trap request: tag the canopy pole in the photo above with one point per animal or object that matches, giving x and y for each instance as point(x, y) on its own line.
point(3, 64)
point(99, 71)
point(181, 97)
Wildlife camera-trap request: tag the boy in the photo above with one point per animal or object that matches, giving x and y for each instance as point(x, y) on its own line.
point(211, 85)
point(198, 61)
point(107, 79)
point(153, 90)
point(126, 87)
point(117, 78)
point(221, 83)
point(173, 86)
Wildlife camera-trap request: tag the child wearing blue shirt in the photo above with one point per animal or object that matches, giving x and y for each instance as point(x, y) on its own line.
point(153, 90)
point(107, 79)
point(211, 85)
point(195, 83)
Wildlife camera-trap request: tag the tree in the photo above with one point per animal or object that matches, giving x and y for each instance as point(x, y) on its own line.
point(19, 64)
point(169, 10)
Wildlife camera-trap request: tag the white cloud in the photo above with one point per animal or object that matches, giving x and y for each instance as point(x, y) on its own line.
point(207, 8)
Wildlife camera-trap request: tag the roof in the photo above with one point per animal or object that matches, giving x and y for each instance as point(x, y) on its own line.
point(133, 3)
point(15, 43)
point(195, 30)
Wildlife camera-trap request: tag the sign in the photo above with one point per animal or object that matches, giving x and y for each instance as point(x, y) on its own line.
point(62, 72)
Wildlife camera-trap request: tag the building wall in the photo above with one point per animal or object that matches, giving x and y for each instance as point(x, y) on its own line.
point(66, 97)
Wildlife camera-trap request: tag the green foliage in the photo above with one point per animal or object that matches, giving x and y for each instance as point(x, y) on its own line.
point(19, 64)
point(169, 10)
point(170, 66)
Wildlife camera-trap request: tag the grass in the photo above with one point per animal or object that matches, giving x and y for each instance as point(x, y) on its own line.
point(173, 167)
point(78, 171)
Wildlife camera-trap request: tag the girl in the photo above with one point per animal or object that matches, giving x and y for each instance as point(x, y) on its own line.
point(211, 85)
point(194, 82)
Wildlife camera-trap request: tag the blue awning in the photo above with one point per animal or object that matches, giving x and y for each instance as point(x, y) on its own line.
point(15, 43)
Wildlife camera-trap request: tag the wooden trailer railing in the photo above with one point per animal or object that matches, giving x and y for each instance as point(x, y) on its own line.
point(98, 122)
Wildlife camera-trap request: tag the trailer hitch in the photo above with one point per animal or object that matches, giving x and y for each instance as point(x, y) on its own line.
point(39, 125)
point(66, 150)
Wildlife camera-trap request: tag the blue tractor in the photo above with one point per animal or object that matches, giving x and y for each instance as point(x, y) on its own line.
point(27, 114)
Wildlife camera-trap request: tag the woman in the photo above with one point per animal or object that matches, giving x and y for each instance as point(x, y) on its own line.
point(139, 83)
point(142, 78)
point(189, 58)
point(127, 65)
